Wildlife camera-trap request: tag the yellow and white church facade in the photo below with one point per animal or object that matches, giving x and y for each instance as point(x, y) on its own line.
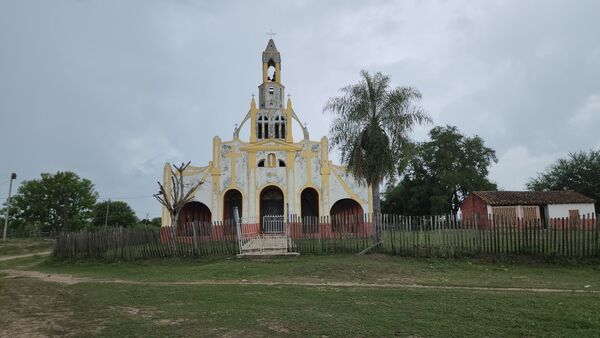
point(270, 174)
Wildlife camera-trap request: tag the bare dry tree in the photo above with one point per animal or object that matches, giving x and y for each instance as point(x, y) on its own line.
point(175, 198)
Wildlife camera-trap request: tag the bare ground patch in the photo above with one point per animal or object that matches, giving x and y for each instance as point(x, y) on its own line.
point(70, 280)
point(273, 325)
point(41, 253)
point(35, 312)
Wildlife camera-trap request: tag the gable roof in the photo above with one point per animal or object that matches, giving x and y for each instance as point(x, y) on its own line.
point(532, 197)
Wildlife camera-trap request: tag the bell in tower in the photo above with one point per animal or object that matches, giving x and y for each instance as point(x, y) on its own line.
point(271, 119)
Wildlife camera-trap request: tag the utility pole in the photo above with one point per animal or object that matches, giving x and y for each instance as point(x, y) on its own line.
point(13, 177)
point(106, 218)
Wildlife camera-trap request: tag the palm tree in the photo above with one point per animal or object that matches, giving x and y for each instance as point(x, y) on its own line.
point(371, 126)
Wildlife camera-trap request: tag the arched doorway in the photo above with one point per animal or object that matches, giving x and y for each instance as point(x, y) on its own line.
point(309, 210)
point(346, 215)
point(194, 213)
point(271, 205)
point(232, 199)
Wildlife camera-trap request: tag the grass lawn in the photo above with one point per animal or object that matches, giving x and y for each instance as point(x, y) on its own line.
point(24, 246)
point(94, 308)
point(343, 268)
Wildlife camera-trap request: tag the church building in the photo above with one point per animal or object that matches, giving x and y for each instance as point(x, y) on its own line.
point(270, 174)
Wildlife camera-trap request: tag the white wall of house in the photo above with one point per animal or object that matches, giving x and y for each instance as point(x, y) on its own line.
point(562, 210)
point(489, 209)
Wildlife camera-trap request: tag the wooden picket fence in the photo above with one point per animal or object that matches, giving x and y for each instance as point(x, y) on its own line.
point(435, 236)
point(446, 236)
point(190, 240)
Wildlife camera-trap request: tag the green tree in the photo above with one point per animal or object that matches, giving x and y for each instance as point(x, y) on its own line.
point(119, 214)
point(580, 172)
point(371, 126)
point(441, 173)
point(61, 201)
point(150, 223)
point(155, 221)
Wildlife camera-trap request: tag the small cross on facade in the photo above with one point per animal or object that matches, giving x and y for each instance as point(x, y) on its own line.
point(270, 33)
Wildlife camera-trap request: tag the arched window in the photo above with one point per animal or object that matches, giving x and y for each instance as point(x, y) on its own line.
point(259, 127)
point(276, 126)
point(271, 72)
point(281, 163)
point(261, 163)
point(262, 127)
point(282, 127)
point(266, 129)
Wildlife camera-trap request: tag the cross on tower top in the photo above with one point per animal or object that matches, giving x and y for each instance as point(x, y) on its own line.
point(270, 33)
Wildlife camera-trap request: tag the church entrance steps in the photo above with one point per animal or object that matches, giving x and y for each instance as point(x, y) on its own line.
point(267, 254)
point(272, 238)
point(264, 243)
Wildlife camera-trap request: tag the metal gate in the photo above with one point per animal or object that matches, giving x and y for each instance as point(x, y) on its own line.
point(272, 224)
point(272, 239)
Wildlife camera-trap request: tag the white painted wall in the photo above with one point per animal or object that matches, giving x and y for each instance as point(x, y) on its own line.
point(250, 185)
point(338, 192)
point(562, 210)
point(203, 194)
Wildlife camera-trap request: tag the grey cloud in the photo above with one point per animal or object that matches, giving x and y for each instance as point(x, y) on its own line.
point(112, 89)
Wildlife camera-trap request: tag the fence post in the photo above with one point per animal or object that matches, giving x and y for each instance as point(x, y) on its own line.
point(238, 227)
point(195, 237)
point(597, 236)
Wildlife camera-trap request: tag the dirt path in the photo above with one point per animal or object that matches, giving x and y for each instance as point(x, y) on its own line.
point(41, 253)
point(70, 280)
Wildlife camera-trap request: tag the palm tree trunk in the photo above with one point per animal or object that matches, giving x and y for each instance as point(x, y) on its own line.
point(376, 197)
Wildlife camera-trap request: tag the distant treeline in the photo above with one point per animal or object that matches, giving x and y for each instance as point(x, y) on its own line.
point(65, 202)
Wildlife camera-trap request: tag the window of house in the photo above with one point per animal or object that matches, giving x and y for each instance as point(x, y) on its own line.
point(502, 215)
point(574, 215)
point(531, 213)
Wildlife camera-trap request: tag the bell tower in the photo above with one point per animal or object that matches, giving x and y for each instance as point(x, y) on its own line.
point(271, 90)
point(271, 118)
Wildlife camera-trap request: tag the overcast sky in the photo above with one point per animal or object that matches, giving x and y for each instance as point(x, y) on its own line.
point(114, 89)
